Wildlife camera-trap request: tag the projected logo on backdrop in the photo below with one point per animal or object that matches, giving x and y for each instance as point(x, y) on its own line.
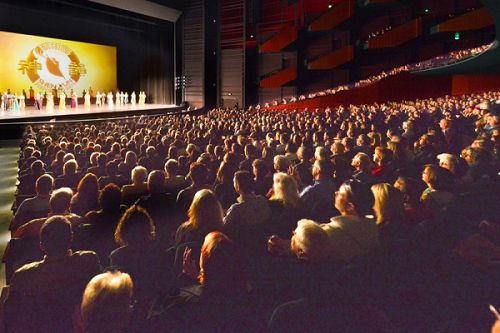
point(49, 65)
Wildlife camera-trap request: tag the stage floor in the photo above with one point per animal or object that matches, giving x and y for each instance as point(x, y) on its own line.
point(30, 114)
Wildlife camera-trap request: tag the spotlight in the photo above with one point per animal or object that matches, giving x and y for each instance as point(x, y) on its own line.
point(330, 6)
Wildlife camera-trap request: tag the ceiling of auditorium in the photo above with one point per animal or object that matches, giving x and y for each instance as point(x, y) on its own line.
point(177, 4)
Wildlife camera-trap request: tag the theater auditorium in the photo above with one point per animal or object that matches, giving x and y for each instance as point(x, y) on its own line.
point(249, 166)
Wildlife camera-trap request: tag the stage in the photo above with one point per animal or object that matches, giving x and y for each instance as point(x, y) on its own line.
point(31, 115)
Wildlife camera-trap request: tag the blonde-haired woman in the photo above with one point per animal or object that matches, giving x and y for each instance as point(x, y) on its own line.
point(204, 216)
point(106, 303)
point(285, 204)
point(389, 213)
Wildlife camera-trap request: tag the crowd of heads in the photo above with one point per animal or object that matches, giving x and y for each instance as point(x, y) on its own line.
point(229, 187)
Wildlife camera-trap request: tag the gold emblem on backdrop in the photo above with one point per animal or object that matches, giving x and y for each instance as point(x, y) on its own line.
point(50, 65)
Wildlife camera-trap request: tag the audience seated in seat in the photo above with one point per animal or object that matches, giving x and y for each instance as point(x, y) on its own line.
point(44, 295)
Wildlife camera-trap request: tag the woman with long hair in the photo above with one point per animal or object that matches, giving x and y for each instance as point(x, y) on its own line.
point(204, 215)
point(218, 301)
point(86, 197)
point(141, 256)
point(285, 204)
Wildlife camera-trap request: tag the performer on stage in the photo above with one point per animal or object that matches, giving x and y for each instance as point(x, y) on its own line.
point(87, 100)
point(103, 98)
point(15, 103)
point(110, 100)
point(9, 100)
point(126, 97)
point(74, 99)
point(98, 99)
point(122, 98)
point(62, 100)
point(117, 98)
point(4, 101)
point(22, 101)
point(32, 93)
point(50, 101)
point(38, 101)
point(132, 98)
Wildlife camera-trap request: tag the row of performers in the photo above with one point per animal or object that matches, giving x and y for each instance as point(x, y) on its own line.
point(17, 102)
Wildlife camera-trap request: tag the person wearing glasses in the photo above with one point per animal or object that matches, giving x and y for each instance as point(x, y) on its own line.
point(352, 234)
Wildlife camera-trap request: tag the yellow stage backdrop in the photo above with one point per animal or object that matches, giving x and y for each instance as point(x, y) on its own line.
point(48, 63)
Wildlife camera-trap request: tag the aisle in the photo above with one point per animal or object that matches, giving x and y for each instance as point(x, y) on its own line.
point(9, 154)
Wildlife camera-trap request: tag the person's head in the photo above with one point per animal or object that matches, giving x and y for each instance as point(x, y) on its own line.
point(430, 175)
point(250, 151)
point(389, 205)
point(106, 303)
point(139, 174)
point(37, 167)
point(448, 161)
point(361, 161)
point(304, 153)
point(102, 159)
point(68, 156)
point(322, 169)
point(156, 182)
point(93, 158)
point(171, 167)
point(70, 167)
point(382, 156)
point(56, 235)
point(281, 163)
point(285, 190)
point(88, 185)
point(220, 264)
point(354, 198)
point(130, 158)
point(135, 227)
point(243, 182)
point(409, 188)
point(321, 153)
point(397, 150)
point(337, 148)
point(259, 168)
point(205, 212)
point(110, 198)
point(225, 173)
point(112, 168)
point(44, 185)
point(60, 200)
point(310, 241)
point(198, 173)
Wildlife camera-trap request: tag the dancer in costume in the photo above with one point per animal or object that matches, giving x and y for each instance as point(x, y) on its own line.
point(87, 100)
point(62, 100)
point(22, 101)
point(74, 100)
point(38, 101)
point(50, 101)
point(132, 98)
point(98, 99)
point(110, 100)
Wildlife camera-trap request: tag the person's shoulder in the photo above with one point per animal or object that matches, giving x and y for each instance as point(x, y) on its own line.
point(33, 224)
point(84, 255)
point(86, 259)
point(27, 268)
